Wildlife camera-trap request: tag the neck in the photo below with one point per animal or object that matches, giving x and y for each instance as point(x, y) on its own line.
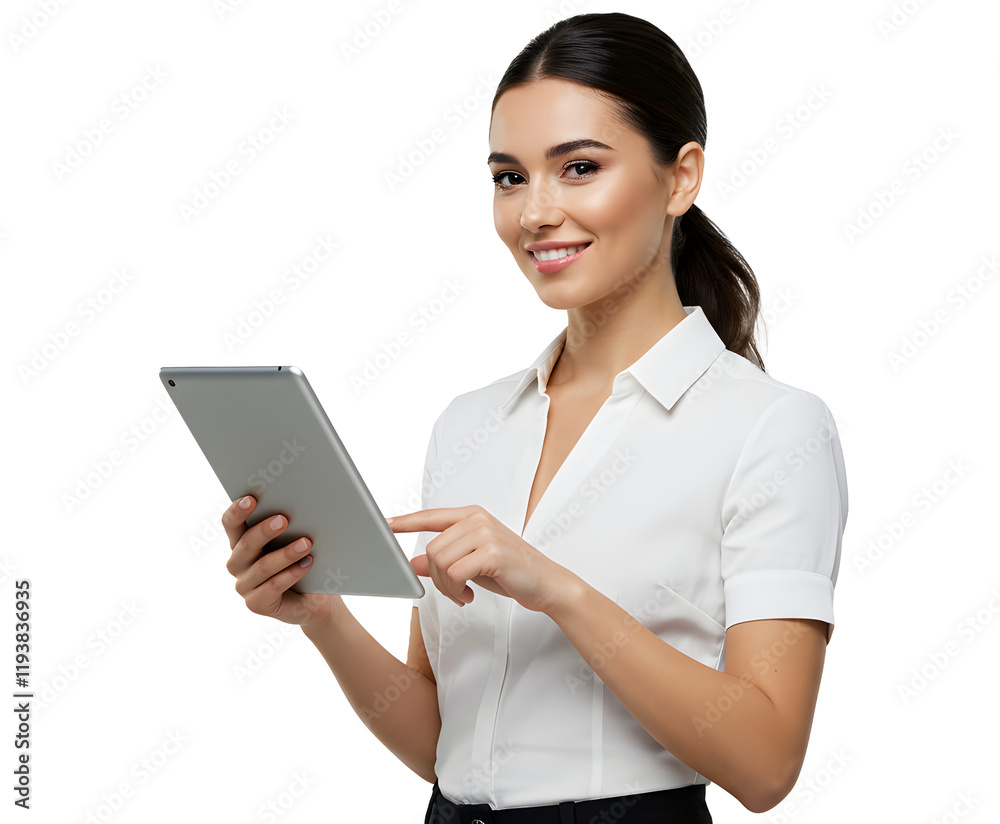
point(600, 344)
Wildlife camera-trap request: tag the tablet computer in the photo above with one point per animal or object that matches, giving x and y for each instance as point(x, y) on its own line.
point(266, 434)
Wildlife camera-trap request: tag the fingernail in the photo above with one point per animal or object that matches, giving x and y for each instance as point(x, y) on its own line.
point(306, 561)
point(275, 522)
point(246, 503)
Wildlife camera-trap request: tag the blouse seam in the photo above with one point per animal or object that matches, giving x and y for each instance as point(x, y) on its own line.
point(749, 440)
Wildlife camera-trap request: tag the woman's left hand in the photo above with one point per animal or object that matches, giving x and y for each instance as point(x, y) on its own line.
point(475, 546)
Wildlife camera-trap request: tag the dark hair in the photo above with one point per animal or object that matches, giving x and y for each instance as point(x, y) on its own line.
point(658, 95)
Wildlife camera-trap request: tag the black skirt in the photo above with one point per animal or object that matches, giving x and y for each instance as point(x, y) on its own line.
point(683, 805)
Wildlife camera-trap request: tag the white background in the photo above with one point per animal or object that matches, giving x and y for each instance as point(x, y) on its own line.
point(137, 632)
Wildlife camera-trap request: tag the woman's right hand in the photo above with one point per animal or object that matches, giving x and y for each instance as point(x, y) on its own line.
point(264, 578)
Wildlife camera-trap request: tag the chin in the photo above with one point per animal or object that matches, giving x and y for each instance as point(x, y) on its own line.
point(562, 298)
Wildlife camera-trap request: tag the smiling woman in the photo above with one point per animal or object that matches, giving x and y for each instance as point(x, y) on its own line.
point(631, 580)
point(705, 560)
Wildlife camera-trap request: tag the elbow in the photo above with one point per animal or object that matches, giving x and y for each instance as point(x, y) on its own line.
point(424, 767)
point(762, 797)
point(766, 789)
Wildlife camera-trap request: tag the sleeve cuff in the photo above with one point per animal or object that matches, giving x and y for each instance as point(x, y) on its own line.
point(779, 593)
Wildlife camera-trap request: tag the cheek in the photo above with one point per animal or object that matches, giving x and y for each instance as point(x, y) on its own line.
point(506, 220)
point(619, 215)
point(615, 208)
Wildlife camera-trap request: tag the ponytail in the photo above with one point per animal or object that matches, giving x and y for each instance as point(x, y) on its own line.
point(710, 272)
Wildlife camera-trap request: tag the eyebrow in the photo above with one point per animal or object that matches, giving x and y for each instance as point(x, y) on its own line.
point(553, 151)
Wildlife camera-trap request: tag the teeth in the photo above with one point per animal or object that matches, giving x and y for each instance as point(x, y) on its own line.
point(555, 254)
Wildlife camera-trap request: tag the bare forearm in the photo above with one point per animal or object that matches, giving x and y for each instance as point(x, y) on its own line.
point(397, 703)
point(721, 726)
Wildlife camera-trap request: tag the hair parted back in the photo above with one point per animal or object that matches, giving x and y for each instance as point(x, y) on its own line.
point(658, 95)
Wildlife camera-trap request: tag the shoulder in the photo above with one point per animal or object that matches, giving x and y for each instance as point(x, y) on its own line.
point(474, 410)
point(757, 398)
point(485, 401)
point(784, 433)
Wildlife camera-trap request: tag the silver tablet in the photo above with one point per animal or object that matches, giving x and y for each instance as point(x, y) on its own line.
point(266, 434)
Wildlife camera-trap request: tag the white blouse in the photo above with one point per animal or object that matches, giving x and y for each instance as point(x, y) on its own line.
point(702, 494)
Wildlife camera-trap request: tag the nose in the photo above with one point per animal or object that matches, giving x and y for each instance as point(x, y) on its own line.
point(540, 208)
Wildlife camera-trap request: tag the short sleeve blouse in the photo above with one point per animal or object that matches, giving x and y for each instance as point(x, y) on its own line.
point(704, 493)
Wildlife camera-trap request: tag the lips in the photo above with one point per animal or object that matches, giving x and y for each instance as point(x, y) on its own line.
point(548, 267)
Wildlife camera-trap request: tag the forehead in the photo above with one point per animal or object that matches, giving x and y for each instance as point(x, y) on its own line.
point(528, 119)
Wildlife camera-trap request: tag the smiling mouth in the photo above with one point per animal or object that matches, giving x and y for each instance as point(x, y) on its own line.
point(556, 254)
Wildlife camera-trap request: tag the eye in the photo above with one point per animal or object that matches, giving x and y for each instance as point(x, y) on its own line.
point(503, 186)
point(585, 163)
point(576, 164)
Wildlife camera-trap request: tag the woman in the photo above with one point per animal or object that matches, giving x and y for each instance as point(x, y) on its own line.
point(632, 543)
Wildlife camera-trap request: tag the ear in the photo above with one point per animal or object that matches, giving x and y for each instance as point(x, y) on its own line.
point(688, 170)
